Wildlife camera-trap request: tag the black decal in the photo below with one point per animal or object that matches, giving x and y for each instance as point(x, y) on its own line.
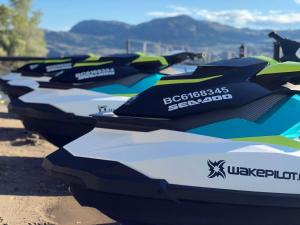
point(216, 169)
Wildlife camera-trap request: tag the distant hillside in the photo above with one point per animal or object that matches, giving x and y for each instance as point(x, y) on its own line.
point(67, 43)
point(110, 36)
point(101, 28)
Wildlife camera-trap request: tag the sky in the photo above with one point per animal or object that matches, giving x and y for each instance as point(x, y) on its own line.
point(276, 14)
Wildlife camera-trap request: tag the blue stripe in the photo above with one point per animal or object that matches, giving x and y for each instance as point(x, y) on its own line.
point(136, 88)
point(276, 122)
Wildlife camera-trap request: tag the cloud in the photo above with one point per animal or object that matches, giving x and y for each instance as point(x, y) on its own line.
point(238, 18)
point(297, 1)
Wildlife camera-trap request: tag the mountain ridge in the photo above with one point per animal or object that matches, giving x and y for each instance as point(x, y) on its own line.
point(110, 36)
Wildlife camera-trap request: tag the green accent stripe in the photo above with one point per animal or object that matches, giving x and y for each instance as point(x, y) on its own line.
point(126, 95)
point(276, 140)
point(186, 81)
point(286, 67)
point(92, 57)
point(141, 53)
point(143, 58)
point(83, 64)
point(37, 61)
point(266, 59)
point(51, 61)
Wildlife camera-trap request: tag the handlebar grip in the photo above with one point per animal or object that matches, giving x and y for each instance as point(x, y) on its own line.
point(275, 36)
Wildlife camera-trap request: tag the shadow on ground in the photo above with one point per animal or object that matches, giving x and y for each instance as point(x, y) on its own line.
point(27, 193)
point(25, 176)
point(109, 224)
point(6, 115)
point(13, 134)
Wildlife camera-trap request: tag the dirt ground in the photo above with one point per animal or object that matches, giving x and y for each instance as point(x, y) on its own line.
point(27, 194)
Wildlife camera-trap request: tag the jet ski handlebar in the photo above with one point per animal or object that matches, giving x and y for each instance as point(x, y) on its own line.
point(275, 36)
point(282, 40)
point(289, 47)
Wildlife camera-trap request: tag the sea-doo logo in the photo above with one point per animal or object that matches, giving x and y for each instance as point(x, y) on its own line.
point(95, 73)
point(216, 169)
point(32, 67)
point(56, 67)
point(191, 99)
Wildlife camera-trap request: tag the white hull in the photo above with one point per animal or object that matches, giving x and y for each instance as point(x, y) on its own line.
point(185, 159)
point(77, 101)
point(11, 76)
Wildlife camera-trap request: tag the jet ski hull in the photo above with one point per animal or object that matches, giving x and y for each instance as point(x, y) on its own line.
point(54, 125)
point(142, 200)
point(14, 92)
point(2, 82)
point(184, 212)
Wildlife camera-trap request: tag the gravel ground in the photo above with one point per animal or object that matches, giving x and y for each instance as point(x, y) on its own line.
point(27, 195)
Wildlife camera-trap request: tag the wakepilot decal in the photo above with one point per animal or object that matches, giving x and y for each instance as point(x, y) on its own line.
point(197, 97)
point(218, 169)
point(95, 73)
point(34, 66)
point(56, 67)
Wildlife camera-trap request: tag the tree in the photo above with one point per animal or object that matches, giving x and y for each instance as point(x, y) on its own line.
point(4, 29)
point(19, 31)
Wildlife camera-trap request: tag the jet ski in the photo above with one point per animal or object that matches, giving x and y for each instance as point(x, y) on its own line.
point(190, 103)
point(72, 96)
point(38, 70)
point(87, 71)
point(169, 177)
point(43, 67)
point(247, 100)
point(155, 164)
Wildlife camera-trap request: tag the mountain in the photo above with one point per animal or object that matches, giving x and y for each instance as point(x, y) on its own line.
point(110, 36)
point(173, 30)
point(69, 43)
point(101, 28)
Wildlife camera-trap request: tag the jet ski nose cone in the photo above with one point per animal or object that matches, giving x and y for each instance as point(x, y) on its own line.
point(171, 177)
